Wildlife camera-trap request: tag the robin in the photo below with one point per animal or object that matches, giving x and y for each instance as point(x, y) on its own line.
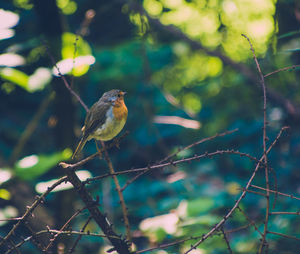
point(105, 119)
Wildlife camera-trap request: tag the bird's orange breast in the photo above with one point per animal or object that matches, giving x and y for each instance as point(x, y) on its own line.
point(120, 110)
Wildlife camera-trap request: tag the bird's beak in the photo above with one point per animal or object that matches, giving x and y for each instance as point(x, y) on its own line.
point(123, 93)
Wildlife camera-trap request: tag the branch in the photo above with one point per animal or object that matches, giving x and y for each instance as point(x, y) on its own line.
point(276, 192)
point(289, 213)
point(176, 153)
point(78, 164)
point(119, 244)
point(249, 220)
point(66, 82)
point(262, 81)
point(226, 240)
point(53, 231)
point(31, 208)
point(63, 228)
point(293, 67)
point(284, 235)
point(72, 249)
point(118, 188)
point(217, 226)
point(173, 163)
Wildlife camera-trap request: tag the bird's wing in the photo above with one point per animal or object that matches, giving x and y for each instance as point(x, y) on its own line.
point(95, 117)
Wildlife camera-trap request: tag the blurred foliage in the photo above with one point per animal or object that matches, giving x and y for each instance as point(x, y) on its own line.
point(164, 76)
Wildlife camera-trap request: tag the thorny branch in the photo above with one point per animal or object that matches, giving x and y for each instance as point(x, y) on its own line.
point(262, 81)
point(120, 245)
point(31, 208)
point(276, 192)
point(173, 155)
point(173, 163)
point(72, 249)
point(118, 188)
point(217, 226)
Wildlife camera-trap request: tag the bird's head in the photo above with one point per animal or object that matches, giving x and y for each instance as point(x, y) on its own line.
point(114, 96)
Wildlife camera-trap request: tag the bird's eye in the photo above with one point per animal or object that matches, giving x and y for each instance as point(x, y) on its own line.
point(119, 95)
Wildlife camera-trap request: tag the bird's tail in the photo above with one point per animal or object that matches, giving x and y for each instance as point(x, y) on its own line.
point(81, 144)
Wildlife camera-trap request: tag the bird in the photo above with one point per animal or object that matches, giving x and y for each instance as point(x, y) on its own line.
point(105, 119)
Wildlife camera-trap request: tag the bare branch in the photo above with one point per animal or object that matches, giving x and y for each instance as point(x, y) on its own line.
point(176, 153)
point(262, 81)
point(31, 208)
point(118, 188)
point(289, 213)
point(284, 235)
point(72, 249)
point(276, 192)
point(226, 240)
point(217, 226)
point(120, 245)
point(293, 67)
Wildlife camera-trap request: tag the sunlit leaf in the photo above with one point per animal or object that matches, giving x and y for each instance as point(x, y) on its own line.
point(8, 19)
point(5, 194)
point(39, 79)
point(41, 187)
point(15, 76)
point(11, 60)
point(78, 66)
point(70, 41)
point(76, 54)
point(33, 166)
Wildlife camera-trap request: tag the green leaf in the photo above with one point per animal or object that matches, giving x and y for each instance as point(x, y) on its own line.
point(34, 166)
point(15, 76)
point(82, 47)
point(198, 206)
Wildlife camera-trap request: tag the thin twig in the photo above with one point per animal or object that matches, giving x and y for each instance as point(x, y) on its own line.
point(217, 226)
point(14, 247)
point(34, 238)
point(262, 81)
point(255, 192)
point(289, 213)
point(120, 245)
point(171, 156)
point(238, 229)
point(72, 249)
point(82, 31)
point(172, 163)
point(78, 164)
point(118, 188)
point(293, 67)
point(226, 240)
point(249, 220)
point(276, 192)
point(32, 207)
point(66, 82)
point(284, 235)
point(68, 232)
point(166, 245)
point(63, 227)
